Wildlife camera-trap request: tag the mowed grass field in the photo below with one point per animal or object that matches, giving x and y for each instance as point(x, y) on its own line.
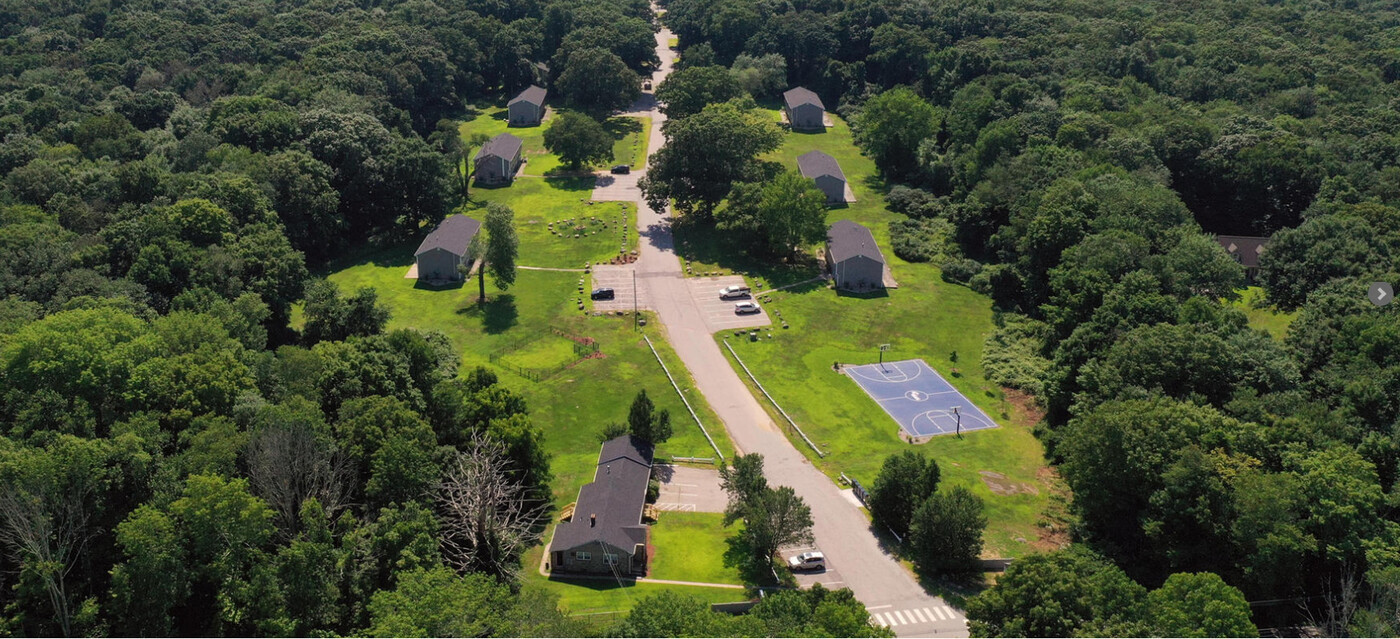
point(691, 547)
point(924, 317)
point(1263, 315)
point(630, 135)
point(564, 202)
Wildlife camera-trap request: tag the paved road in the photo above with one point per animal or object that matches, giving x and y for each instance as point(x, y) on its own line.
point(841, 529)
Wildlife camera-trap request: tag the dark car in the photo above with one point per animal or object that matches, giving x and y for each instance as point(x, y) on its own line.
point(602, 294)
point(621, 169)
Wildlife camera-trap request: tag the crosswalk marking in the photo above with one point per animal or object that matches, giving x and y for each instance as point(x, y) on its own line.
point(928, 614)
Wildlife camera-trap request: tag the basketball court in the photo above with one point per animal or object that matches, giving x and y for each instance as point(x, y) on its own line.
point(918, 398)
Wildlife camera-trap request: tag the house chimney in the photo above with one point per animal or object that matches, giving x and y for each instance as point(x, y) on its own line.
point(592, 521)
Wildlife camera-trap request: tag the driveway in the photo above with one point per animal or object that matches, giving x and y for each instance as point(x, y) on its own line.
point(719, 314)
point(688, 489)
point(617, 277)
point(617, 188)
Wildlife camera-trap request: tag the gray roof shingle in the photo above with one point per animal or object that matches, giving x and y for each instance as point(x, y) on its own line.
point(454, 234)
point(616, 497)
point(846, 239)
point(801, 95)
point(814, 164)
point(534, 95)
point(504, 145)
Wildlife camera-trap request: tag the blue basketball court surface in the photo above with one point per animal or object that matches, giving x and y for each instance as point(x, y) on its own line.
point(918, 398)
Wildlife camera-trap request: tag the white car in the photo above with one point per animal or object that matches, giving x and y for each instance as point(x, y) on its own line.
point(730, 292)
point(744, 308)
point(807, 561)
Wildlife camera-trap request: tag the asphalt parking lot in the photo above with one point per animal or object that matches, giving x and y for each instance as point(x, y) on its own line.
point(719, 314)
point(618, 278)
point(688, 489)
point(829, 578)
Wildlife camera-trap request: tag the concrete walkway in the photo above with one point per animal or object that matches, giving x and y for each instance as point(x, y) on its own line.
point(841, 528)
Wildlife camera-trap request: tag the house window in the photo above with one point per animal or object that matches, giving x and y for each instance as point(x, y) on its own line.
point(609, 559)
point(582, 556)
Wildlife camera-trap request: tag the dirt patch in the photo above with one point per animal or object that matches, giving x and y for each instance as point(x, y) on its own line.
point(1000, 485)
point(1025, 408)
point(1053, 527)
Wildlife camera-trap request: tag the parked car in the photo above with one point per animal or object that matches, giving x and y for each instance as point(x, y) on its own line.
point(602, 294)
point(807, 561)
point(730, 292)
point(621, 169)
point(744, 308)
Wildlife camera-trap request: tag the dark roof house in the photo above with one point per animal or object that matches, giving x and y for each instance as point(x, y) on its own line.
point(1246, 250)
point(504, 145)
point(446, 248)
point(532, 95)
point(498, 160)
point(853, 258)
point(527, 108)
point(804, 109)
point(606, 532)
point(801, 95)
point(823, 170)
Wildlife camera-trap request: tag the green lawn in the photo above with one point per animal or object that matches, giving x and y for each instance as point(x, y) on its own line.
point(565, 203)
point(1262, 315)
point(604, 600)
point(630, 133)
point(923, 318)
point(571, 406)
point(690, 547)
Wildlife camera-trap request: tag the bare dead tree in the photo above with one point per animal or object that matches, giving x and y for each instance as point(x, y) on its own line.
point(1340, 603)
point(45, 529)
point(289, 464)
point(488, 519)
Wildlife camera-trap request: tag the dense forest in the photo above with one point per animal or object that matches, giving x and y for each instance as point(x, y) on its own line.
point(1072, 161)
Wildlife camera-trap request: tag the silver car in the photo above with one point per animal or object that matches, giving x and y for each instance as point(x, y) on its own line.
point(745, 308)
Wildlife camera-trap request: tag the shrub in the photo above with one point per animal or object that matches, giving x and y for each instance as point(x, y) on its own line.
point(915, 202)
point(961, 271)
point(922, 240)
point(1011, 355)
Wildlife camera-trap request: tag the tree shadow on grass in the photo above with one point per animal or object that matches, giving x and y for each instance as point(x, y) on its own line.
point(571, 181)
point(753, 572)
point(621, 127)
point(437, 285)
point(497, 315)
point(870, 294)
point(702, 242)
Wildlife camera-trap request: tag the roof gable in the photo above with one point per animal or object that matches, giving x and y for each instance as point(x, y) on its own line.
point(798, 96)
point(533, 95)
point(453, 235)
point(504, 145)
point(846, 239)
point(815, 164)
